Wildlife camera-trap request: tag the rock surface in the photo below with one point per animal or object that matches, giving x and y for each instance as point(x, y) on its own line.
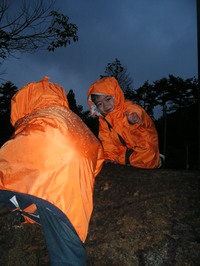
point(140, 218)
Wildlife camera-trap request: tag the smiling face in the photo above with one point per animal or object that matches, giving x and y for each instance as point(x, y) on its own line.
point(104, 103)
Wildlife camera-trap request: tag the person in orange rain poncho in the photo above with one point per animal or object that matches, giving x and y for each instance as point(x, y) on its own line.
point(48, 168)
point(127, 133)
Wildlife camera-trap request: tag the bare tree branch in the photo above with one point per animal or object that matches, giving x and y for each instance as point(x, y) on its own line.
point(35, 26)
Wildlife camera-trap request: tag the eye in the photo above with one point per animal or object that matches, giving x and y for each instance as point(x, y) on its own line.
point(98, 104)
point(108, 99)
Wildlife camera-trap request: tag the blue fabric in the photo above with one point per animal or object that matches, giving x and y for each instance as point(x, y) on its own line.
point(25, 200)
point(63, 245)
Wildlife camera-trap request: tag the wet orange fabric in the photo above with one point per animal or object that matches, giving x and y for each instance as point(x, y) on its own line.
point(52, 155)
point(142, 137)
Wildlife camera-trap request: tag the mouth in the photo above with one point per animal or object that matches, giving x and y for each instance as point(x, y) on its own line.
point(108, 111)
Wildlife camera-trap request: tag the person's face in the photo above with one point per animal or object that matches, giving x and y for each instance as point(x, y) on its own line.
point(104, 103)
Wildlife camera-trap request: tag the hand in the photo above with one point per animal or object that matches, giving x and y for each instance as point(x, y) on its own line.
point(133, 118)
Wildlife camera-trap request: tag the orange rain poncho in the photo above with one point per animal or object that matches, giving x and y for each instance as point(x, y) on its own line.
point(52, 154)
point(142, 138)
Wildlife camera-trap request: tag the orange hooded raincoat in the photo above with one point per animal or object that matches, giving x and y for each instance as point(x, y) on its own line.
point(52, 154)
point(142, 138)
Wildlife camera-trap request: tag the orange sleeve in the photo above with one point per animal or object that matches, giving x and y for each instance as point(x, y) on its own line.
point(113, 150)
point(143, 138)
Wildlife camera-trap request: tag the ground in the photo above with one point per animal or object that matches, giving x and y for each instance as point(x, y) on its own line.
point(140, 218)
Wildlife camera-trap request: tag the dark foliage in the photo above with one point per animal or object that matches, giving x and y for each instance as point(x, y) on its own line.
point(119, 72)
point(93, 123)
point(77, 109)
point(181, 137)
point(177, 127)
point(7, 90)
point(145, 96)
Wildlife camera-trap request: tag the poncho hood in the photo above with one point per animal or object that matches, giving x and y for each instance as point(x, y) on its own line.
point(35, 96)
point(107, 86)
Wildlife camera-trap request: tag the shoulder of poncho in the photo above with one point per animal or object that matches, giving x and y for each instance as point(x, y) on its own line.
point(129, 104)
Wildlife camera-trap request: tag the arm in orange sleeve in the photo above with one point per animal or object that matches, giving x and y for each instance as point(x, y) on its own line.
point(143, 138)
point(111, 150)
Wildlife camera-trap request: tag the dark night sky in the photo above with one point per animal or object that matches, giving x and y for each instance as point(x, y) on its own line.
point(151, 38)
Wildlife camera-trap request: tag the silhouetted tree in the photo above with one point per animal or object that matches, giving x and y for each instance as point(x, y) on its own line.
point(161, 88)
point(35, 25)
point(182, 137)
point(182, 93)
point(77, 109)
point(178, 126)
point(7, 91)
point(93, 123)
point(145, 96)
point(119, 72)
point(90, 121)
point(175, 92)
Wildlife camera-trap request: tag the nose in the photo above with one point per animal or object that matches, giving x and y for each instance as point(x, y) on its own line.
point(106, 105)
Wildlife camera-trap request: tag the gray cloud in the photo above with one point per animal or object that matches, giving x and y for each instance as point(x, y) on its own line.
point(152, 39)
